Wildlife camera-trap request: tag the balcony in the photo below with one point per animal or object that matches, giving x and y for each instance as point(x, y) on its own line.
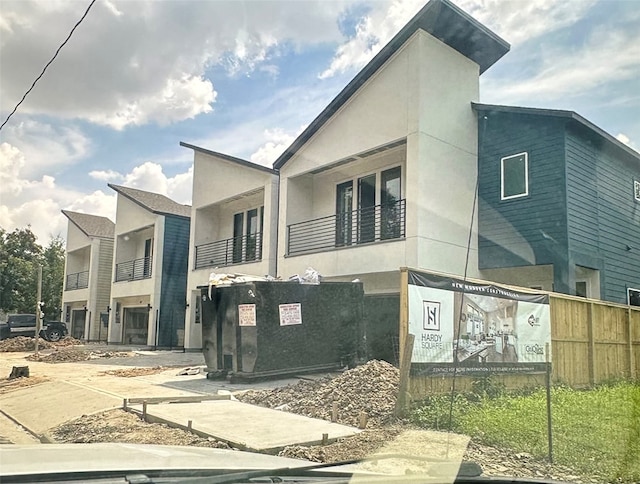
point(133, 270)
point(227, 252)
point(79, 280)
point(372, 224)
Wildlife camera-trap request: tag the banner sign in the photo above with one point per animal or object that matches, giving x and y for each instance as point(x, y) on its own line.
point(466, 327)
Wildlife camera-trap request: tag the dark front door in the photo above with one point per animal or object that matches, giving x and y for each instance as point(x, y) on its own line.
point(136, 326)
point(78, 319)
point(367, 209)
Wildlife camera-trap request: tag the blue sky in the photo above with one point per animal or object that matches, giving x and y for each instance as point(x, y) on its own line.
point(244, 78)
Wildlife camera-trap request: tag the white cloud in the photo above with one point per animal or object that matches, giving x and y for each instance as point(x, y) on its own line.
point(133, 63)
point(105, 175)
point(606, 57)
point(47, 145)
point(38, 202)
point(514, 21)
point(277, 141)
point(623, 138)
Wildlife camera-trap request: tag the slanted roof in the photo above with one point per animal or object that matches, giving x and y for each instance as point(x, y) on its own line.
point(559, 113)
point(232, 159)
point(441, 19)
point(91, 225)
point(154, 202)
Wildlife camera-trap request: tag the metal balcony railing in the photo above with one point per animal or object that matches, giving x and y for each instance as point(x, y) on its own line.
point(79, 280)
point(235, 250)
point(371, 224)
point(133, 270)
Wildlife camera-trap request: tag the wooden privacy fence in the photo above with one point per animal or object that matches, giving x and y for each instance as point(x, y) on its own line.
point(592, 342)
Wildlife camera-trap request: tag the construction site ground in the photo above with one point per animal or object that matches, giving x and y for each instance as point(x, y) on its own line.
point(130, 373)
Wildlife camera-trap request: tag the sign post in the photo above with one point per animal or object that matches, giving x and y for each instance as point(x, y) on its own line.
point(549, 426)
point(38, 310)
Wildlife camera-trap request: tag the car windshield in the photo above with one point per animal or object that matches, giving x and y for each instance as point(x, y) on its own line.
point(398, 235)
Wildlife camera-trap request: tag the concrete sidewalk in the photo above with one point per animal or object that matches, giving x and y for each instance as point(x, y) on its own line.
point(42, 407)
point(245, 426)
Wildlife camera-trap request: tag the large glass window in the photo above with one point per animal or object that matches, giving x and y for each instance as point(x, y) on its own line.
point(514, 176)
point(367, 209)
point(391, 213)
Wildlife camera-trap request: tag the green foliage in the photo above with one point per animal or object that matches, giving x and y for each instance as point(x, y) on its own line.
point(20, 255)
point(595, 431)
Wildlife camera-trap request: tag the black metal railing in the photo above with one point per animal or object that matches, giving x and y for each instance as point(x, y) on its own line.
point(371, 224)
point(235, 250)
point(133, 270)
point(79, 280)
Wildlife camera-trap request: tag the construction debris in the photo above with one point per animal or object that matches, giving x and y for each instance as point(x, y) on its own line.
point(7, 385)
point(371, 388)
point(68, 341)
point(22, 344)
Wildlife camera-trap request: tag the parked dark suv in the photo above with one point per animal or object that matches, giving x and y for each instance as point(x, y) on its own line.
point(25, 325)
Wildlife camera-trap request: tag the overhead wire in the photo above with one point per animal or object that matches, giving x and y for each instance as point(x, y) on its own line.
point(86, 12)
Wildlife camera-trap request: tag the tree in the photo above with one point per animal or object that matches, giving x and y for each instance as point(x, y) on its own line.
point(20, 254)
point(53, 277)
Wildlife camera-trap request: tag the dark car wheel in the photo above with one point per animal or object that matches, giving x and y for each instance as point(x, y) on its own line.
point(54, 335)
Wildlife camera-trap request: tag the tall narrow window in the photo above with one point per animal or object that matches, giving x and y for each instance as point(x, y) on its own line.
point(391, 211)
point(514, 176)
point(344, 206)
point(636, 190)
point(238, 225)
point(367, 209)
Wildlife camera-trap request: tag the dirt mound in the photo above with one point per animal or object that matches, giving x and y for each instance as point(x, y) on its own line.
point(133, 372)
point(70, 354)
point(68, 341)
point(22, 343)
point(7, 385)
point(121, 426)
point(370, 388)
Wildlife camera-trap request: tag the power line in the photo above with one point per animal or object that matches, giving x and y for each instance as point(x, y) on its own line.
point(49, 63)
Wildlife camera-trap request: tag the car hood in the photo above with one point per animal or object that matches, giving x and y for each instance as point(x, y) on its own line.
point(20, 460)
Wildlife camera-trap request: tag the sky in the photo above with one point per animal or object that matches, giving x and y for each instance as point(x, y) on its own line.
point(246, 77)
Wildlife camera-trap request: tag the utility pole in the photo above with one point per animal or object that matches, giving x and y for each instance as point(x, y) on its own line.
point(38, 308)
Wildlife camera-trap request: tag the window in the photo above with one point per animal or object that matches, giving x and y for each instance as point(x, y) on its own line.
point(378, 213)
point(636, 189)
point(581, 289)
point(247, 240)
point(514, 181)
point(633, 297)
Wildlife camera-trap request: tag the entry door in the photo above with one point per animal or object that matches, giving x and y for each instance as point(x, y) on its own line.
point(367, 209)
point(344, 207)
point(391, 211)
point(238, 223)
point(136, 326)
point(148, 252)
point(77, 323)
point(252, 234)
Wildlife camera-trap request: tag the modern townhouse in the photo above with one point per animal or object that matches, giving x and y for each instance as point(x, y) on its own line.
point(87, 281)
point(148, 290)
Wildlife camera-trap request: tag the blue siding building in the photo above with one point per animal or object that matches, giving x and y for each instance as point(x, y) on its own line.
point(559, 204)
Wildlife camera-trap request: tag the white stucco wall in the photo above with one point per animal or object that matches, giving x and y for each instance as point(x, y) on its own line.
point(423, 93)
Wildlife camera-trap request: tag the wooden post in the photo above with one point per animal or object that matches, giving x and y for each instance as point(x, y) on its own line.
point(632, 360)
point(592, 345)
point(404, 311)
point(190, 425)
point(38, 310)
point(405, 367)
point(124, 404)
point(325, 439)
point(362, 420)
point(144, 411)
point(334, 412)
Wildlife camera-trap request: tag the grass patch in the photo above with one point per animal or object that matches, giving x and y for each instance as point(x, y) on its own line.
point(595, 431)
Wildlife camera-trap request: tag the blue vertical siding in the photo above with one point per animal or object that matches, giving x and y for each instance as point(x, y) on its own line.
point(603, 216)
point(531, 230)
point(173, 289)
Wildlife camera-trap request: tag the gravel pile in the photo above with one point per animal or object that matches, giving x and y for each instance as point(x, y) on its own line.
point(22, 343)
point(68, 341)
point(133, 372)
point(370, 388)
